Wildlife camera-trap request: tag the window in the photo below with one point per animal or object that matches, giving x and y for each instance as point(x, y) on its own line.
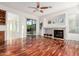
point(74, 23)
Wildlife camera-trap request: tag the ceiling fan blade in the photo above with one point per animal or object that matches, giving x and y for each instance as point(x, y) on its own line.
point(32, 7)
point(45, 7)
point(41, 11)
point(38, 4)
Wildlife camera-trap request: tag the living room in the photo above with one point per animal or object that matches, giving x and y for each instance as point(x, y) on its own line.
point(39, 29)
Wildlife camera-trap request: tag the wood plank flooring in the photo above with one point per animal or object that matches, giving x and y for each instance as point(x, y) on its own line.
point(40, 46)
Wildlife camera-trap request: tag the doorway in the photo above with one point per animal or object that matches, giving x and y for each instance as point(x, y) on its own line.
point(31, 27)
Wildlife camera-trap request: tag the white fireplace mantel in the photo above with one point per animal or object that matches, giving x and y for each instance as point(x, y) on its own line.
point(56, 26)
point(50, 30)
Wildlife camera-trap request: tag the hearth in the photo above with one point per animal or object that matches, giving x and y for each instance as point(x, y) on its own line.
point(59, 33)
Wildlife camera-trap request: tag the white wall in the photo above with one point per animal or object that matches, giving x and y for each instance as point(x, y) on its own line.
point(68, 36)
point(71, 36)
point(22, 21)
point(24, 16)
point(51, 17)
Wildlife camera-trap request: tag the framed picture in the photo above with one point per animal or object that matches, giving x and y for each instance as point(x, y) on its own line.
point(59, 19)
point(49, 22)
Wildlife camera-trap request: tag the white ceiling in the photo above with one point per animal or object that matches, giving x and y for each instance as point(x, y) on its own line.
point(23, 6)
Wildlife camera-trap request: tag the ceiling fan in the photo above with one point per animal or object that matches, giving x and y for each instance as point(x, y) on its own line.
point(39, 8)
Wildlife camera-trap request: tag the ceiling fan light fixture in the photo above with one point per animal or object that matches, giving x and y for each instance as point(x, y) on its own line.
point(39, 8)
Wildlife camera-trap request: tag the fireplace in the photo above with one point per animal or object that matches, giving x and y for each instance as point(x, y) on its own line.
point(59, 33)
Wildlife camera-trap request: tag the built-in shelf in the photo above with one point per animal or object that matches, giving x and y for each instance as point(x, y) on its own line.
point(2, 17)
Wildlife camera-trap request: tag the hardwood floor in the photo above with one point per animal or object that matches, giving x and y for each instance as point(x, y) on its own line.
point(40, 46)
